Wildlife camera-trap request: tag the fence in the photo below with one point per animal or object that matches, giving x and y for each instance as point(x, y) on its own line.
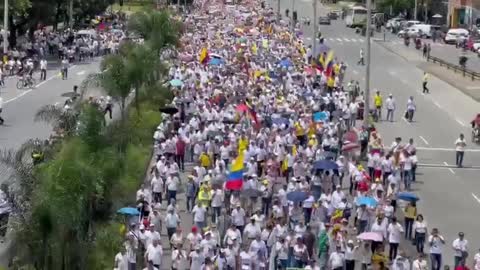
point(465, 71)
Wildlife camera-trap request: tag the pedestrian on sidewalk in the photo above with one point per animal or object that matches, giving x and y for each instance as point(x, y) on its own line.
point(424, 83)
point(411, 108)
point(460, 246)
point(460, 145)
point(43, 69)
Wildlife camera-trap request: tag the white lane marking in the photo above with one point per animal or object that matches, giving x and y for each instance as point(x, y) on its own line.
point(81, 72)
point(355, 72)
point(438, 105)
point(450, 169)
point(460, 122)
point(339, 39)
point(423, 139)
point(476, 198)
point(473, 87)
point(445, 149)
point(346, 39)
point(406, 121)
point(331, 39)
point(36, 86)
point(354, 40)
point(393, 73)
point(404, 81)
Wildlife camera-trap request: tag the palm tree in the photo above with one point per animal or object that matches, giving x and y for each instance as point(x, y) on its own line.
point(158, 28)
point(114, 79)
point(64, 121)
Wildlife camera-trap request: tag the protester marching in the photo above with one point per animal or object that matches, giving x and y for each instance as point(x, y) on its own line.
point(266, 143)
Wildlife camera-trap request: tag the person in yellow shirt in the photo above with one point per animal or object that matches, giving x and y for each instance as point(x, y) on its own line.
point(410, 216)
point(378, 102)
point(242, 143)
point(425, 81)
point(205, 160)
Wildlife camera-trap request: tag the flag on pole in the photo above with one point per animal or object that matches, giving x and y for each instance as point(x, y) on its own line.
point(204, 57)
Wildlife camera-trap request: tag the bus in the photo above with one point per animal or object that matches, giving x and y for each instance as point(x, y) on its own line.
point(356, 16)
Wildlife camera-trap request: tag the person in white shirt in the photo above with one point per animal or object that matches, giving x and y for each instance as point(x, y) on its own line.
point(196, 258)
point(436, 242)
point(420, 231)
point(336, 259)
point(390, 106)
point(337, 197)
point(460, 145)
point(199, 213)
point(281, 250)
point(154, 254)
point(476, 261)
point(420, 263)
point(460, 246)
point(350, 255)
point(307, 207)
point(238, 217)
point(395, 231)
point(43, 69)
point(217, 202)
point(121, 262)
point(179, 258)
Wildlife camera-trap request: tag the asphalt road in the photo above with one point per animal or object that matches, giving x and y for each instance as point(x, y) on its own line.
point(450, 197)
point(20, 106)
point(446, 52)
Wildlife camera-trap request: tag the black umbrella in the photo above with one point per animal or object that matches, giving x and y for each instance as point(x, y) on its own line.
point(168, 110)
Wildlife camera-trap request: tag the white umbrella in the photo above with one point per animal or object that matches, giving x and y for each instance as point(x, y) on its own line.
point(437, 16)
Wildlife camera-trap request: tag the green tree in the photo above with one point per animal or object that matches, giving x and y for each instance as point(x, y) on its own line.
point(158, 28)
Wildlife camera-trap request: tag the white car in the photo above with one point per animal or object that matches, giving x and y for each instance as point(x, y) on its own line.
point(455, 35)
point(395, 22)
point(476, 45)
point(409, 32)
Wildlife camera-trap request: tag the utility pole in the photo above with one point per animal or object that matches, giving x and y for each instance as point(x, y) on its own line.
point(415, 10)
point(315, 29)
point(70, 14)
point(292, 25)
point(279, 15)
point(5, 28)
point(366, 111)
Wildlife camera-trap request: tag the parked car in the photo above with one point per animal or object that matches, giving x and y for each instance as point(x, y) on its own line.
point(476, 45)
point(333, 16)
point(456, 35)
point(324, 20)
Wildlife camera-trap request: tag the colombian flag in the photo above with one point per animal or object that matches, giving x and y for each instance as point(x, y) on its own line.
point(204, 57)
point(235, 177)
point(329, 64)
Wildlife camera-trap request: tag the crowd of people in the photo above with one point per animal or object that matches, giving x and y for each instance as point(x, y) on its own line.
point(283, 172)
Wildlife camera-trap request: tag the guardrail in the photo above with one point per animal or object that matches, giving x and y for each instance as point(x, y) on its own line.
point(465, 71)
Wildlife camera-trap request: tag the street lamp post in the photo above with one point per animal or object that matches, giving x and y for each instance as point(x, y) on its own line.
point(278, 10)
point(415, 11)
point(5, 28)
point(366, 111)
point(315, 28)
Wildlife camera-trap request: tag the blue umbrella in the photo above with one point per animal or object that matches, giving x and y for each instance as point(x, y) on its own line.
point(407, 196)
point(286, 63)
point(176, 83)
point(296, 196)
point(325, 164)
point(129, 211)
point(216, 61)
point(368, 201)
point(320, 116)
point(279, 121)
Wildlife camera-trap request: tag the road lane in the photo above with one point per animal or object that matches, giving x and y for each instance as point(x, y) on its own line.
point(21, 105)
point(450, 197)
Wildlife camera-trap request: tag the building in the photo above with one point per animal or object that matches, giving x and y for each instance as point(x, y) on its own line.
point(463, 13)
